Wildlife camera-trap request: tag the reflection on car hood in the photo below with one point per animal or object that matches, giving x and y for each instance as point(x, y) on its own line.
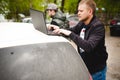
point(15, 34)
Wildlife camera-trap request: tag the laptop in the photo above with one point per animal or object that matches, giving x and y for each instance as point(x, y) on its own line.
point(38, 21)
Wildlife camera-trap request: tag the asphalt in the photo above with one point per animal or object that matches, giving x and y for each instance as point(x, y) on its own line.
point(113, 62)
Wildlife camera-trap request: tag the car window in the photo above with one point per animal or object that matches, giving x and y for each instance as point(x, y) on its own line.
point(44, 61)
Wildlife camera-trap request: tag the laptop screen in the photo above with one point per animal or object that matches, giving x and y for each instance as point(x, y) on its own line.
point(38, 20)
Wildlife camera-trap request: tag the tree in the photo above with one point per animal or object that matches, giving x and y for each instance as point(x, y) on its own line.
point(112, 8)
point(70, 6)
point(22, 6)
point(3, 7)
point(14, 7)
point(62, 5)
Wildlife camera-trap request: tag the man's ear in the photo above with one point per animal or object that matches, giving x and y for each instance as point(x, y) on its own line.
point(90, 11)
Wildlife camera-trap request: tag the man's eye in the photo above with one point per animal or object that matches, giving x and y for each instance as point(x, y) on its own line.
point(80, 10)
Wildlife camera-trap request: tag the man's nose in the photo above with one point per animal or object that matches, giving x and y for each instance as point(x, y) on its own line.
point(78, 13)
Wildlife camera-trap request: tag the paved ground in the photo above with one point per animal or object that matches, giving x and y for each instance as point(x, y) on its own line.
point(113, 48)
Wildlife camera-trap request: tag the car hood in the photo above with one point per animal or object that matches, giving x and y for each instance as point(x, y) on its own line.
point(15, 34)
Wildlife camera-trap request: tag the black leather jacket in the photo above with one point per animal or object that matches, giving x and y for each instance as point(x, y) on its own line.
point(95, 54)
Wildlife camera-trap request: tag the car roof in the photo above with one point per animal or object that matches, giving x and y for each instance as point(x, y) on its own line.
point(15, 34)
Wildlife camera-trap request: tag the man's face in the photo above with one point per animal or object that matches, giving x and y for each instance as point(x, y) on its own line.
point(51, 12)
point(83, 12)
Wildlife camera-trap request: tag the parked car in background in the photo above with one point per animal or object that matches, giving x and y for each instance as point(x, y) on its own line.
point(28, 54)
point(115, 26)
point(2, 18)
point(27, 20)
point(73, 20)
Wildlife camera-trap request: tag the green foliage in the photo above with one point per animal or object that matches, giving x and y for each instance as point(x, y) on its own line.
point(109, 5)
point(22, 6)
point(14, 7)
point(3, 7)
point(70, 6)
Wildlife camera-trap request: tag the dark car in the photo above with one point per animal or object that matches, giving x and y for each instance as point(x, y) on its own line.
point(28, 54)
point(115, 26)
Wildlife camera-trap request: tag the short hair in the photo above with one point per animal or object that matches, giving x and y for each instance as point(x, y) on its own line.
point(89, 3)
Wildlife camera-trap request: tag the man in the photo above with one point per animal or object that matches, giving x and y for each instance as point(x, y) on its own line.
point(58, 18)
point(89, 36)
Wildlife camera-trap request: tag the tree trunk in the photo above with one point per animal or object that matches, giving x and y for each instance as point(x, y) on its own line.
point(62, 5)
point(55, 1)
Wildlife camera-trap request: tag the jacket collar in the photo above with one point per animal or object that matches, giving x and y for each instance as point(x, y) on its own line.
point(91, 23)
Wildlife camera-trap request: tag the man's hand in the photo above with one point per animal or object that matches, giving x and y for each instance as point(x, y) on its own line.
point(52, 27)
point(62, 31)
point(57, 30)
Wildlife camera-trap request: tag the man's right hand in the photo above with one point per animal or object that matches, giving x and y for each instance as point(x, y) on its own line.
point(62, 31)
point(52, 27)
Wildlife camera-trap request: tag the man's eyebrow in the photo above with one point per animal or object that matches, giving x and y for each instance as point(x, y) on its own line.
point(79, 10)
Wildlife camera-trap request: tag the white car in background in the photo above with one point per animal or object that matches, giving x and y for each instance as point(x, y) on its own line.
point(27, 20)
point(28, 54)
point(73, 20)
point(2, 18)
